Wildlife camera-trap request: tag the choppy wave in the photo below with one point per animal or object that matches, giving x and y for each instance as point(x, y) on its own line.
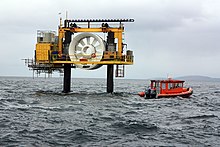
point(34, 112)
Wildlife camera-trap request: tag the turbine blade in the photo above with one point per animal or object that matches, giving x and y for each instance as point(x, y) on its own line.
point(82, 42)
point(78, 48)
point(98, 47)
point(94, 42)
point(88, 40)
point(78, 52)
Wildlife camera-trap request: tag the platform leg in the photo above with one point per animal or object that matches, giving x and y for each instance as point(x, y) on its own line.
point(110, 82)
point(67, 78)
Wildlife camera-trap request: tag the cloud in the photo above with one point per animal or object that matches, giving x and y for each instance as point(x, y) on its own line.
point(166, 34)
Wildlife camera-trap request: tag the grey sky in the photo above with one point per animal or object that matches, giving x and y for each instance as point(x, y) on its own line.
point(168, 37)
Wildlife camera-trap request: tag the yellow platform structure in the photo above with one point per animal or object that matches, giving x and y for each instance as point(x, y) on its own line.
point(50, 51)
point(79, 45)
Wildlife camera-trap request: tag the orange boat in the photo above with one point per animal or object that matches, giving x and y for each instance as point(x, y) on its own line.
point(166, 88)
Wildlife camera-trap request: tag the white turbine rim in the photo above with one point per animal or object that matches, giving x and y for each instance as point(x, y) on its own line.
point(87, 46)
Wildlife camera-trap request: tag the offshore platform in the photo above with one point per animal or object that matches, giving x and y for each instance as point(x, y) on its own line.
point(80, 45)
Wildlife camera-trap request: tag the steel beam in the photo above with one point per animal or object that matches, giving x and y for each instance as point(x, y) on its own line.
point(100, 20)
point(67, 78)
point(110, 82)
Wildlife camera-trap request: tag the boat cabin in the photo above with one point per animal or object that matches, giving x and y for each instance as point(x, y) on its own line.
point(169, 86)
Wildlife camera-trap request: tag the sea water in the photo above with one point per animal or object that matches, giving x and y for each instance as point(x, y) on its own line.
point(35, 112)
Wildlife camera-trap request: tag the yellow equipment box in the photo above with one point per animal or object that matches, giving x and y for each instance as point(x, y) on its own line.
point(43, 51)
point(110, 55)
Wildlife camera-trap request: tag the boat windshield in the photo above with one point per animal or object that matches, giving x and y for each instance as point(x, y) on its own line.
point(175, 85)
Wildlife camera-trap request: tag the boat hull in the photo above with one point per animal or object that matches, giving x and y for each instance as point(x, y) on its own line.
point(185, 94)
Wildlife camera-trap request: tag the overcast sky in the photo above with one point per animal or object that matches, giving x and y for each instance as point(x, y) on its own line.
point(175, 37)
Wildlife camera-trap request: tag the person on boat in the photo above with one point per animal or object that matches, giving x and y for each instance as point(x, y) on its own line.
point(153, 93)
point(148, 92)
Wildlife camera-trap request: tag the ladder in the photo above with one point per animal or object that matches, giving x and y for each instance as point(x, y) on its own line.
point(120, 71)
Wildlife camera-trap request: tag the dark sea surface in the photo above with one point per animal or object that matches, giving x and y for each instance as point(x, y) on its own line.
point(35, 112)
